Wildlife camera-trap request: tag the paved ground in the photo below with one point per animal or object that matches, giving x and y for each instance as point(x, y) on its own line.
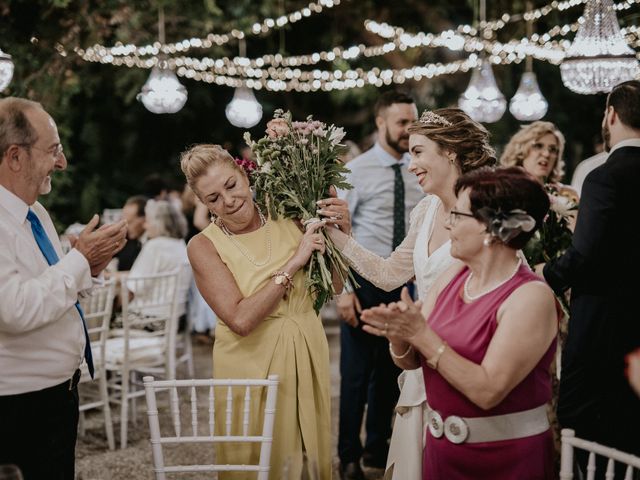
point(95, 462)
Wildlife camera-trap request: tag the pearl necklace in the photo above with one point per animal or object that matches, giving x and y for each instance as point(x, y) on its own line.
point(230, 235)
point(475, 297)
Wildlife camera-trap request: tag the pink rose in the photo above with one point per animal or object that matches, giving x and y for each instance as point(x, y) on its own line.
point(277, 127)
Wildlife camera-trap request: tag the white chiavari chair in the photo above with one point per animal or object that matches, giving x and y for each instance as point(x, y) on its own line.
point(213, 388)
point(97, 308)
point(146, 343)
point(571, 442)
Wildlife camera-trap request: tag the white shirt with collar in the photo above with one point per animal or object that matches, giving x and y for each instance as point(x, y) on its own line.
point(371, 198)
point(630, 142)
point(41, 334)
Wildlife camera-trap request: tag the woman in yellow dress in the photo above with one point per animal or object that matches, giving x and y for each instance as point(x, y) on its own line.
point(249, 269)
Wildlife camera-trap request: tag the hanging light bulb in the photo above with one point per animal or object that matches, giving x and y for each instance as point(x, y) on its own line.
point(528, 104)
point(243, 111)
point(6, 70)
point(599, 57)
point(482, 100)
point(162, 92)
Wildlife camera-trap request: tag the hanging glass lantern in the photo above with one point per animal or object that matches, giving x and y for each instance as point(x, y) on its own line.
point(599, 57)
point(482, 100)
point(528, 104)
point(243, 111)
point(162, 92)
point(6, 70)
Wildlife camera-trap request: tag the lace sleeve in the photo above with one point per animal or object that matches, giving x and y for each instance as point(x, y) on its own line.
point(395, 271)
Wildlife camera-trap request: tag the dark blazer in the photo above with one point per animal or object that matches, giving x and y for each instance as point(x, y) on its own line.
point(602, 269)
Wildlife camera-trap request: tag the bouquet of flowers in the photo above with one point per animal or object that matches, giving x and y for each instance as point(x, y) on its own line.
point(297, 164)
point(554, 236)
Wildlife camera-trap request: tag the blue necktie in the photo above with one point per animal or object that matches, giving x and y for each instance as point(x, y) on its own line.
point(52, 258)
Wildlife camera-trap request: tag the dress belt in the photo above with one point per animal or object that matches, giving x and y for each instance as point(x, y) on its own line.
point(489, 429)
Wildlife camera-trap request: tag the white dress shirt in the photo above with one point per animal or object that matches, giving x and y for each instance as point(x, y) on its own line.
point(371, 198)
point(41, 334)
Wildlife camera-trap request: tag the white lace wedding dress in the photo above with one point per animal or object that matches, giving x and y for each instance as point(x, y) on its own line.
point(411, 258)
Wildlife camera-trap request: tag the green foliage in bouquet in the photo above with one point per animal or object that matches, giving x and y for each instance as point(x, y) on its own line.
point(554, 236)
point(298, 163)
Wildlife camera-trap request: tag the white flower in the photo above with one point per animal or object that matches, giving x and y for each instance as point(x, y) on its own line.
point(562, 205)
point(320, 132)
point(337, 134)
point(266, 167)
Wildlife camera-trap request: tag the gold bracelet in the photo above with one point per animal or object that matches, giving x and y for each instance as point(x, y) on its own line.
point(399, 356)
point(433, 361)
point(284, 279)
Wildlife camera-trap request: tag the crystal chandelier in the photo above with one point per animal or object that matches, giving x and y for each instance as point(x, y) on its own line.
point(528, 104)
point(599, 57)
point(482, 100)
point(6, 70)
point(243, 111)
point(162, 92)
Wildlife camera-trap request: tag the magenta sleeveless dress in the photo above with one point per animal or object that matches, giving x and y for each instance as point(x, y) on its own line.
point(468, 329)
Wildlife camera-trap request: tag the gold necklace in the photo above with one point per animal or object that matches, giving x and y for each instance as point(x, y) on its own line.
point(230, 235)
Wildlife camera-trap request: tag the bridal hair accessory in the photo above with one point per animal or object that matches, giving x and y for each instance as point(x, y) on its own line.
point(430, 118)
point(506, 225)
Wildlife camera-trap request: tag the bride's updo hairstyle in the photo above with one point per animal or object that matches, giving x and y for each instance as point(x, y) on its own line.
point(196, 161)
point(454, 130)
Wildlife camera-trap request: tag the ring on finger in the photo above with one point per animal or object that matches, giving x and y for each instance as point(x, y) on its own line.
point(339, 216)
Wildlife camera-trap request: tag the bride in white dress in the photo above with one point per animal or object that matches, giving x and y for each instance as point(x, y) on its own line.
point(443, 144)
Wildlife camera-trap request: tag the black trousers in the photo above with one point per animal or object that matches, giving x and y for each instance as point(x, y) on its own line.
point(368, 377)
point(38, 432)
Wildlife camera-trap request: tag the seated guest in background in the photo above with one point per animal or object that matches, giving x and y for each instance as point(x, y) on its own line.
point(133, 213)
point(165, 250)
point(489, 338)
point(43, 337)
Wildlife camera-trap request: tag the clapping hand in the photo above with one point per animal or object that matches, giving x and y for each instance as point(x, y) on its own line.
point(100, 245)
point(398, 321)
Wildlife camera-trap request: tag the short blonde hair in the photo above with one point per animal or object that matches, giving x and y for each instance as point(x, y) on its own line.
point(463, 136)
point(520, 145)
point(198, 159)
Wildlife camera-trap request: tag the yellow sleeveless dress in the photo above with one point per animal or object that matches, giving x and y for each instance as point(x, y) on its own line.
point(291, 343)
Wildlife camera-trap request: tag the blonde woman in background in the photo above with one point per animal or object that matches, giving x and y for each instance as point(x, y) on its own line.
point(538, 148)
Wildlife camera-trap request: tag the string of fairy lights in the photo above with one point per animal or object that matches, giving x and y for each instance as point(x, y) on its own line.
point(277, 72)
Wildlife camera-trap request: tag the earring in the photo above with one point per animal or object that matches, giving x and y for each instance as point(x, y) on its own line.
point(487, 241)
point(213, 217)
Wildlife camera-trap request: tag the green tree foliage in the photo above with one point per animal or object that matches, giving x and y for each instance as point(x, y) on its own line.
point(112, 142)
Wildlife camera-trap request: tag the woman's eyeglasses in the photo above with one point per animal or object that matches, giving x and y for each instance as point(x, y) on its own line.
point(454, 215)
point(552, 149)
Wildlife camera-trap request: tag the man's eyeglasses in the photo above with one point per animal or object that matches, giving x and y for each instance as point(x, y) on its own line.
point(552, 149)
point(454, 215)
point(56, 151)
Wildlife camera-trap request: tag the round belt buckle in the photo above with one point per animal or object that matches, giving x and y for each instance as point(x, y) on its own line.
point(456, 429)
point(436, 425)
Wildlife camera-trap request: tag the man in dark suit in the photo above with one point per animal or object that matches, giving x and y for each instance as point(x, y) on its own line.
point(601, 268)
